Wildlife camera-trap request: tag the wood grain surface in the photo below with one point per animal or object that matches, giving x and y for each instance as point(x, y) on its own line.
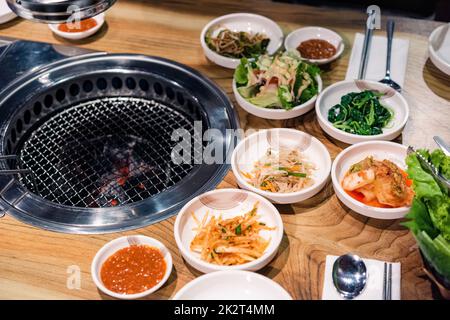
point(34, 263)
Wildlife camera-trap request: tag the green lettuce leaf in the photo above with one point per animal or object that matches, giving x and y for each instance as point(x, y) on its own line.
point(285, 96)
point(313, 70)
point(436, 251)
point(312, 89)
point(267, 100)
point(299, 76)
point(309, 92)
point(420, 219)
point(440, 213)
point(441, 162)
point(423, 182)
point(248, 92)
point(240, 74)
point(429, 217)
point(428, 191)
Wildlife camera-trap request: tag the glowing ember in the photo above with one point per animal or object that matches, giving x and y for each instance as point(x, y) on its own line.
point(125, 174)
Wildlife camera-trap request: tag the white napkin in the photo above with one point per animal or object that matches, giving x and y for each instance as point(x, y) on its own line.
point(374, 285)
point(376, 64)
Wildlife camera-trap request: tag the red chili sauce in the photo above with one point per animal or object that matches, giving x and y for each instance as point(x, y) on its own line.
point(133, 269)
point(84, 25)
point(316, 49)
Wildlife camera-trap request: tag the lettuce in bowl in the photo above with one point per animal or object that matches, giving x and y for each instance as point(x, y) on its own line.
point(282, 81)
point(429, 217)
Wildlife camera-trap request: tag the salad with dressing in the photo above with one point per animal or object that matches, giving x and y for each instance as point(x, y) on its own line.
point(282, 81)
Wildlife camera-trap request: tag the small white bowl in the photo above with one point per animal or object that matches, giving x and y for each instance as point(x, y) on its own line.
point(296, 37)
point(380, 150)
point(232, 285)
point(276, 114)
point(100, 19)
point(332, 95)
point(6, 14)
point(439, 48)
point(255, 146)
point(228, 203)
point(112, 247)
point(248, 22)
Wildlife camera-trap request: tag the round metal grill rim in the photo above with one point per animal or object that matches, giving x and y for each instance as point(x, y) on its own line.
point(108, 229)
point(60, 11)
point(21, 204)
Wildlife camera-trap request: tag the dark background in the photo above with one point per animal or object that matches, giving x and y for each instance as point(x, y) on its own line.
point(438, 10)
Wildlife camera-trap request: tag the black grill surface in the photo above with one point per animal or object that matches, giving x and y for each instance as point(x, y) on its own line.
point(105, 152)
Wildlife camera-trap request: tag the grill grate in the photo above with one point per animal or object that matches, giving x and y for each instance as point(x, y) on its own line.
point(105, 152)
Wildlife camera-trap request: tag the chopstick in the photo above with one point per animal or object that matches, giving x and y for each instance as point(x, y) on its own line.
point(387, 281)
point(389, 288)
point(366, 45)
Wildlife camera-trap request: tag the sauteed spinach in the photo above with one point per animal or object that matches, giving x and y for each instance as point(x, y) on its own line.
point(361, 113)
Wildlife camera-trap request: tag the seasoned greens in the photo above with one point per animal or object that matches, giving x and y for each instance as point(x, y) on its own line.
point(360, 113)
point(281, 82)
point(237, 44)
point(430, 212)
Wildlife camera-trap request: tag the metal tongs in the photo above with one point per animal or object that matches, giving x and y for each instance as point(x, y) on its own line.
point(431, 169)
point(372, 15)
point(12, 171)
point(3, 205)
point(441, 143)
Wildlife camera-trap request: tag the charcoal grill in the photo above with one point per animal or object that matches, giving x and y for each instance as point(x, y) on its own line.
point(90, 136)
point(58, 11)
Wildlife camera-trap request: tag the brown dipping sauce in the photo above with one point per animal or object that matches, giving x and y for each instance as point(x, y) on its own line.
point(316, 49)
point(84, 26)
point(133, 269)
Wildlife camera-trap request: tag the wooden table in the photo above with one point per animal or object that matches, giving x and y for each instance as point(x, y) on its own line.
point(35, 263)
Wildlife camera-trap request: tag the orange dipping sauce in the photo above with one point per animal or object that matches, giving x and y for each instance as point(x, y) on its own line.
point(133, 269)
point(84, 25)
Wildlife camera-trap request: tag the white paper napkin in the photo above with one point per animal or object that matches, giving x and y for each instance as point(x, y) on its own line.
point(376, 64)
point(374, 285)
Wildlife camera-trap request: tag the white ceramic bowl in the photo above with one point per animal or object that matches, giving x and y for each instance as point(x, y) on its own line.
point(248, 22)
point(380, 150)
point(255, 146)
point(392, 99)
point(276, 114)
point(6, 14)
point(100, 19)
point(232, 285)
point(296, 37)
point(228, 203)
point(439, 48)
point(112, 247)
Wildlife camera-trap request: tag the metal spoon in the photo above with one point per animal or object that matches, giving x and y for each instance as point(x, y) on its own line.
point(349, 275)
point(387, 78)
